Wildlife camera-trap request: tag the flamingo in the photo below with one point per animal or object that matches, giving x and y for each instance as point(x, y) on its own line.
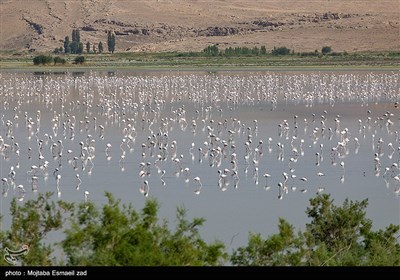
point(198, 185)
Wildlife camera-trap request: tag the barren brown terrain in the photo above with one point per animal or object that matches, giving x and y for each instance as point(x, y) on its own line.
point(191, 25)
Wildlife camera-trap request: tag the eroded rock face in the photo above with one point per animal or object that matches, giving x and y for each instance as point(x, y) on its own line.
point(219, 31)
point(267, 23)
point(88, 28)
point(36, 26)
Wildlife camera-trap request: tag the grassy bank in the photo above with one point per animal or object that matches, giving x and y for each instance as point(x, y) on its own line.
point(175, 60)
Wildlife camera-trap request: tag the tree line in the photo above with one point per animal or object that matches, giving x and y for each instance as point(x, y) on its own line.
point(213, 50)
point(116, 234)
point(75, 46)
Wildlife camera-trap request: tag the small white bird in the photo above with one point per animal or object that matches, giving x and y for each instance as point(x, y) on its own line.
point(144, 188)
point(198, 185)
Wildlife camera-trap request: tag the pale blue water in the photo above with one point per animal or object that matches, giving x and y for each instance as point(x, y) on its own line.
point(169, 102)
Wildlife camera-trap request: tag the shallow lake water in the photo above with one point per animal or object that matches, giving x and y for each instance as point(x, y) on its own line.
point(261, 143)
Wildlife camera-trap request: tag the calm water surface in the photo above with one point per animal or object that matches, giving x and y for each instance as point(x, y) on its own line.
point(116, 130)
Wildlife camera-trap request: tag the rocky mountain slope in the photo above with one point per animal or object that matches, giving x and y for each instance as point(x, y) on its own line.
point(191, 25)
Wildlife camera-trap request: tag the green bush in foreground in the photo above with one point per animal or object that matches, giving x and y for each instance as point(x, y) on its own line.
point(31, 223)
point(118, 235)
point(121, 236)
point(335, 236)
point(115, 235)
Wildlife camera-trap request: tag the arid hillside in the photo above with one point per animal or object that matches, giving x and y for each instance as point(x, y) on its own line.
point(191, 25)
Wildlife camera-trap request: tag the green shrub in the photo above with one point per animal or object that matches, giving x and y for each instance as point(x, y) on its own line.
point(280, 51)
point(79, 59)
point(325, 50)
point(59, 60)
point(42, 59)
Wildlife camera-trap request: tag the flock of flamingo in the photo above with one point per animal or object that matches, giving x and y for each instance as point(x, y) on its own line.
point(175, 124)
